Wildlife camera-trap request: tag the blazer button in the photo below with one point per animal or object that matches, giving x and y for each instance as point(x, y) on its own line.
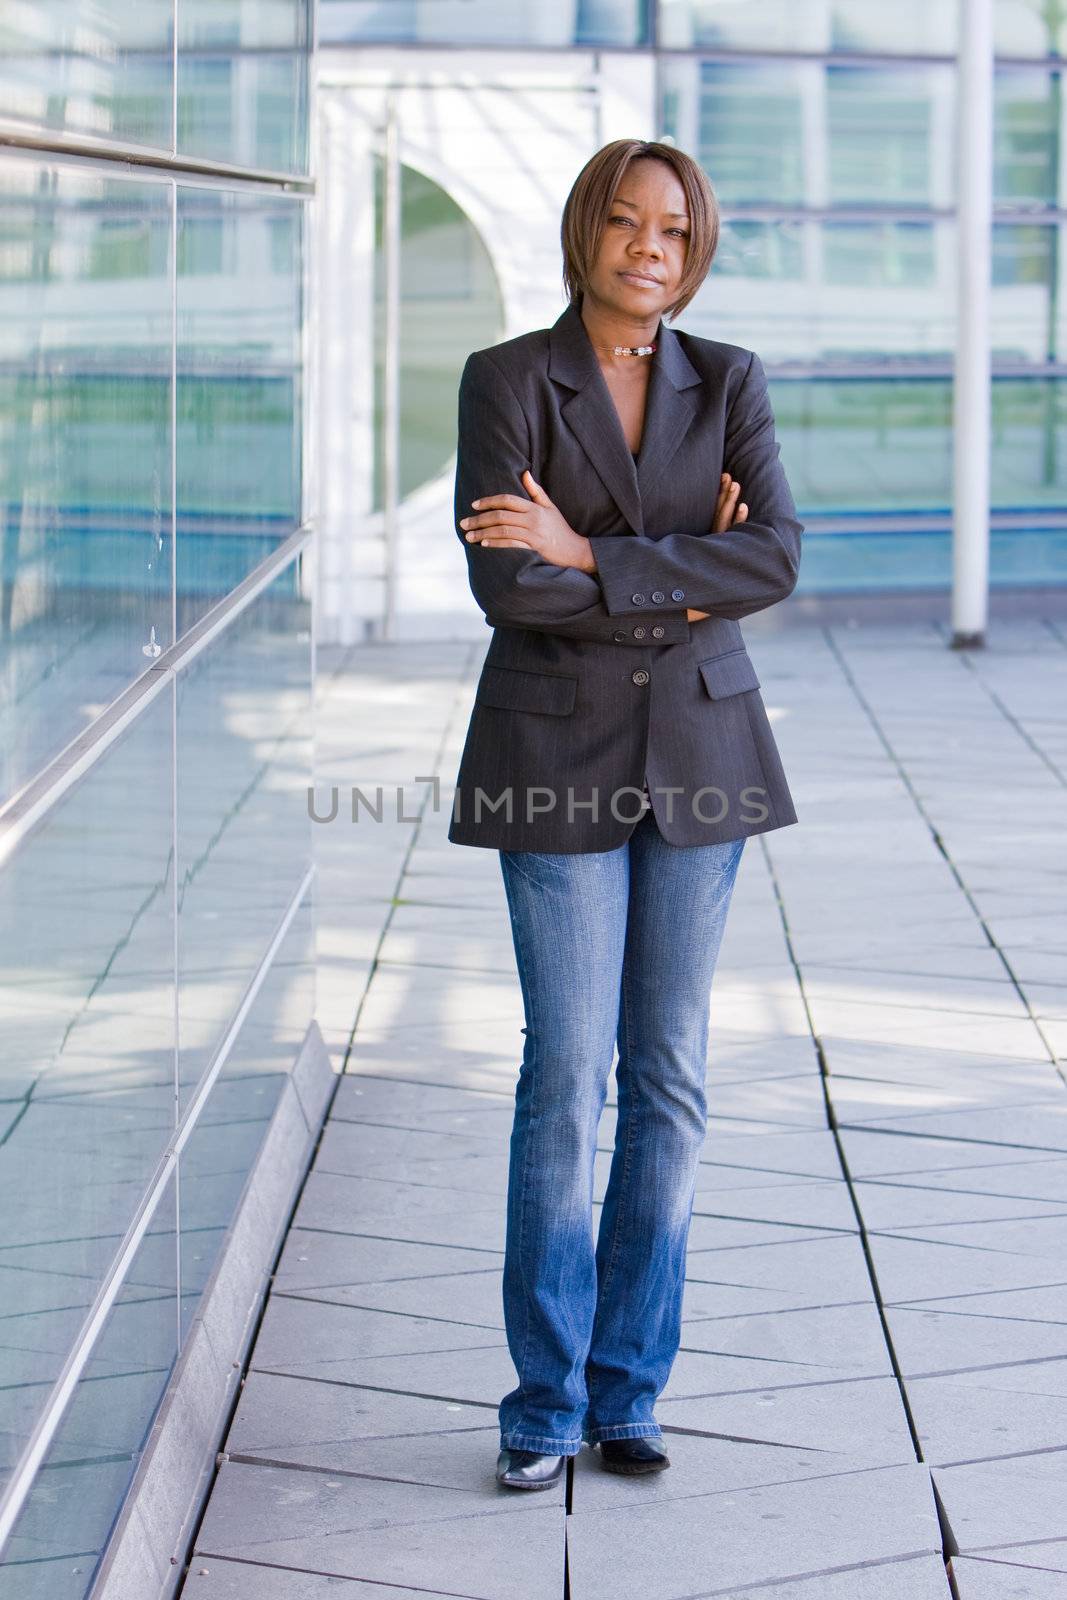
point(677, 594)
point(638, 599)
point(639, 633)
point(657, 595)
point(640, 677)
point(619, 636)
point(657, 632)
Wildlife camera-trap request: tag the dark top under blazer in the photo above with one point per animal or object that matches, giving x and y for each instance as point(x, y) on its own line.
point(593, 682)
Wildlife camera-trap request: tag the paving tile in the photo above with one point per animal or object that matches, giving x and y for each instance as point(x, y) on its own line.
point(1010, 1509)
point(318, 1261)
point(909, 1268)
point(819, 1523)
point(213, 1578)
point(818, 1416)
point(765, 1197)
point(890, 1207)
point(448, 1374)
point(817, 1337)
point(980, 1578)
point(466, 1299)
point(315, 1339)
point(975, 1419)
point(932, 1341)
point(404, 1534)
point(791, 1267)
point(872, 1153)
point(334, 1203)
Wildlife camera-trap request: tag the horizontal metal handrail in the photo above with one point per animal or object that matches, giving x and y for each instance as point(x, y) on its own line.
point(36, 799)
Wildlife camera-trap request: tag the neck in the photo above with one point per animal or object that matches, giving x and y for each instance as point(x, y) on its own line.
point(607, 327)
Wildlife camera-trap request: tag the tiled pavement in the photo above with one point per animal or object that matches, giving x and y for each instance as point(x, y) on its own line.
point(870, 1402)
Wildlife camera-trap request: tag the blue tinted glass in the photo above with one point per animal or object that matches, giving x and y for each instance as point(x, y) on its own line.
point(243, 83)
point(85, 398)
point(57, 1542)
point(230, 1132)
point(239, 387)
point(87, 1049)
point(616, 22)
point(99, 67)
point(908, 27)
point(244, 833)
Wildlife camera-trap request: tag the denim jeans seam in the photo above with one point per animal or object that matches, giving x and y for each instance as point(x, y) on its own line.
point(522, 1206)
point(609, 1270)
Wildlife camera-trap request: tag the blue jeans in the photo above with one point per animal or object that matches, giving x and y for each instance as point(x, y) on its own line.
point(609, 944)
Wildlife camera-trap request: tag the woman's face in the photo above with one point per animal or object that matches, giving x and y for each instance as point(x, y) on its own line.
point(643, 246)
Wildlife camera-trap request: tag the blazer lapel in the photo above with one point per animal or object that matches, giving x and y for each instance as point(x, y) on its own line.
point(591, 415)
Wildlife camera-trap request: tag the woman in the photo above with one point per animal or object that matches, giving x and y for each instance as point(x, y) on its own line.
point(618, 756)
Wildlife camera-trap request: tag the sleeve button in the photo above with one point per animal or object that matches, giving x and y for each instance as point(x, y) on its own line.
point(639, 633)
point(677, 594)
point(638, 599)
point(657, 632)
point(619, 636)
point(657, 595)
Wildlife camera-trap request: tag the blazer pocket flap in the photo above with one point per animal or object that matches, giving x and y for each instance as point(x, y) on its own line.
point(727, 674)
point(513, 690)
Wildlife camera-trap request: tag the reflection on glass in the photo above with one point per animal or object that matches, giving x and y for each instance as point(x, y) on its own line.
point(87, 1050)
point(801, 291)
point(239, 387)
point(1028, 137)
point(99, 67)
point(243, 82)
point(244, 834)
point(812, 133)
point(908, 27)
point(61, 1534)
point(85, 388)
point(564, 22)
point(227, 1139)
point(881, 132)
point(450, 304)
point(59, 1537)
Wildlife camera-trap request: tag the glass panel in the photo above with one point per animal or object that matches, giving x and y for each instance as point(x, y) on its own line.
point(1029, 28)
point(908, 27)
point(1028, 136)
point(1029, 302)
point(243, 82)
point(880, 128)
point(58, 1540)
point(861, 448)
point(226, 1141)
point(239, 387)
point(87, 1050)
point(85, 395)
point(450, 304)
point(244, 833)
point(576, 22)
point(802, 291)
point(815, 134)
point(100, 67)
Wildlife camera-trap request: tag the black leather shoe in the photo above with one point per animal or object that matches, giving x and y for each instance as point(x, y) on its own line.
point(632, 1455)
point(528, 1469)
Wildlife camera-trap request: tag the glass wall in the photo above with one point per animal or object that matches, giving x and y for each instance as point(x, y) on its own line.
point(156, 934)
point(828, 129)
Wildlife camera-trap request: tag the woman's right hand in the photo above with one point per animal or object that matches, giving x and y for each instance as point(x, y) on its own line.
point(727, 512)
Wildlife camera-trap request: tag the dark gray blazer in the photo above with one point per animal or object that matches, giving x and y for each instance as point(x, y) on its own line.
point(593, 683)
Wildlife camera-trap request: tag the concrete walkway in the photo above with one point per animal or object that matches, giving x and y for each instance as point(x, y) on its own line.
point(870, 1402)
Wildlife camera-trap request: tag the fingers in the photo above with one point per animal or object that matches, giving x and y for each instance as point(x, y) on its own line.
point(497, 542)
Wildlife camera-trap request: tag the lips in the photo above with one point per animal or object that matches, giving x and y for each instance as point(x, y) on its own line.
point(642, 277)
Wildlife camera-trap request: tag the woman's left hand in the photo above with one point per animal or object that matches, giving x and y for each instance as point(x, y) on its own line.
point(506, 521)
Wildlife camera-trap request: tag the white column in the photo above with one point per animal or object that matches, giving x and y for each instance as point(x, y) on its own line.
point(974, 253)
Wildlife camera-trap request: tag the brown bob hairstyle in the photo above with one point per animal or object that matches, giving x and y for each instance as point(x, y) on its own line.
point(588, 206)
